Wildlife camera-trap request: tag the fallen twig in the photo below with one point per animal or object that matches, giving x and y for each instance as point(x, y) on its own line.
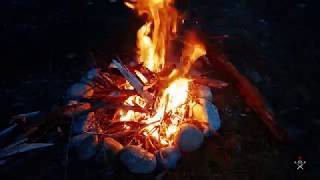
point(20, 148)
point(213, 83)
point(6, 132)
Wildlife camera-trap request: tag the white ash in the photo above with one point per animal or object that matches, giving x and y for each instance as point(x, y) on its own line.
point(138, 160)
point(189, 138)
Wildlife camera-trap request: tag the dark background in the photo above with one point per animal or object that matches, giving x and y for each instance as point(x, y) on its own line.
point(46, 45)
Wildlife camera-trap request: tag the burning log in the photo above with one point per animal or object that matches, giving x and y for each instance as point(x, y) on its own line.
point(212, 83)
point(133, 80)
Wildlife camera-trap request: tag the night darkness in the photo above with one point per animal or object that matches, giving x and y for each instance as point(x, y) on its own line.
point(46, 46)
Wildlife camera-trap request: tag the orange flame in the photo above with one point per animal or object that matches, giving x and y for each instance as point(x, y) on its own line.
point(152, 42)
point(153, 37)
point(193, 49)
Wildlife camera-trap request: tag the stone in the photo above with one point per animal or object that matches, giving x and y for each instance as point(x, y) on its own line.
point(80, 90)
point(205, 111)
point(74, 107)
point(255, 76)
point(109, 148)
point(91, 75)
point(138, 160)
point(189, 138)
point(204, 92)
point(85, 123)
point(168, 157)
point(85, 145)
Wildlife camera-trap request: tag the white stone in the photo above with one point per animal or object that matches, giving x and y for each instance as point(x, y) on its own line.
point(85, 123)
point(204, 92)
point(189, 138)
point(108, 150)
point(85, 145)
point(91, 75)
point(168, 157)
point(138, 160)
point(80, 90)
point(112, 144)
point(74, 107)
point(205, 111)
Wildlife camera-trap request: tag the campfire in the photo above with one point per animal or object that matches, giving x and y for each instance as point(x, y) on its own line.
point(148, 108)
point(157, 102)
point(163, 94)
point(153, 108)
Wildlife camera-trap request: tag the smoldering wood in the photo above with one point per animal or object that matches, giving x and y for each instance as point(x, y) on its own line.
point(212, 83)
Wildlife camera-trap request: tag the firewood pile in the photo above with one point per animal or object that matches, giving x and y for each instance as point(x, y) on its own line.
point(103, 96)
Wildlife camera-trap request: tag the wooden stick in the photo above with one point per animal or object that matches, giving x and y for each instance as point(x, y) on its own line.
point(6, 132)
point(134, 81)
point(20, 148)
point(213, 83)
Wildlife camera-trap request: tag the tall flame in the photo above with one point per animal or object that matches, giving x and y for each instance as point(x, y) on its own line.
point(170, 107)
point(153, 37)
